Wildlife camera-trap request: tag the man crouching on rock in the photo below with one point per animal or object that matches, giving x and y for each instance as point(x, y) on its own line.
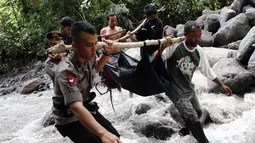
point(181, 61)
point(75, 116)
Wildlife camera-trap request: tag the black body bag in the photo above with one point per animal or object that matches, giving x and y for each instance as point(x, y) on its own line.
point(140, 77)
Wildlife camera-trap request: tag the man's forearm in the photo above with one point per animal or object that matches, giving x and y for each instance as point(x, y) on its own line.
point(217, 81)
point(154, 55)
point(101, 62)
point(87, 119)
point(158, 52)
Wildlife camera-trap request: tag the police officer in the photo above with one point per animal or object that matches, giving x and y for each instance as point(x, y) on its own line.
point(54, 38)
point(76, 117)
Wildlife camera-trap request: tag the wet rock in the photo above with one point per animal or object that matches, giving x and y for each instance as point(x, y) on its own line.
point(226, 14)
point(247, 8)
point(205, 118)
point(206, 39)
point(31, 86)
point(2, 91)
point(251, 63)
point(238, 5)
point(231, 74)
point(39, 66)
point(252, 3)
point(250, 13)
point(215, 54)
point(170, 31)
point(2, 86)
point(48, 119)
point(201, 19)
point(206, 11)
point(212, 23)
point(35, 92)
point(234, 45)
point(9, 90)
point(157, 130)
point(180, 30)
point(43, 87)
point(142, 108)
point(228, 32)
point(245, 48)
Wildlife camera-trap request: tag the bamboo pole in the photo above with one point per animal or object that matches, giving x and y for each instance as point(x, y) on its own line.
point(62, 48)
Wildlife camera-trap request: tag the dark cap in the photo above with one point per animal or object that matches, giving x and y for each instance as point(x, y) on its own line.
point(150, 9)
point(54, 34)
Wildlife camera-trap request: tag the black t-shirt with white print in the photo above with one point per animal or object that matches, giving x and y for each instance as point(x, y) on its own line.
point(181, 64)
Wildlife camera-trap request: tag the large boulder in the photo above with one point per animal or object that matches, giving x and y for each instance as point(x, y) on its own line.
point(226, 14)
point(246, 49)
point(251, 63)
point(228, 32)
point(231, 74)
point(250, 13)
point(206, 39)
point(180, 30)
point(200, 20)
point(31, 86)
point(215, 54)
point(247, 8)
point(238, 5)
point(170, 31)
point(212, 23)
point(207, 11)
point(252, 3)
point(234, 45)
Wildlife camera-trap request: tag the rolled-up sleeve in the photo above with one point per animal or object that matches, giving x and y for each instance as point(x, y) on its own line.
point(68, 85)
point(168, 52)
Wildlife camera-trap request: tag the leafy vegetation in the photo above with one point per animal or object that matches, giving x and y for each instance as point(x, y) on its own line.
point(23, 23)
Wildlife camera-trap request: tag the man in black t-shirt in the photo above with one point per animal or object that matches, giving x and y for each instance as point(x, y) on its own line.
point(65, 29)
point(152, 29)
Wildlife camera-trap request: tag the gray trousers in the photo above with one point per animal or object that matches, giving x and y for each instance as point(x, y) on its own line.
point(189, 108)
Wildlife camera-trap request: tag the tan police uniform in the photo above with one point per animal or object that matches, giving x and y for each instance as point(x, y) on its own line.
point(73, 81)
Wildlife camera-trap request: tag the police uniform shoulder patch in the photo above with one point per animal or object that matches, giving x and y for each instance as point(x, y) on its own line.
point(50, 64)
point(71, 78)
